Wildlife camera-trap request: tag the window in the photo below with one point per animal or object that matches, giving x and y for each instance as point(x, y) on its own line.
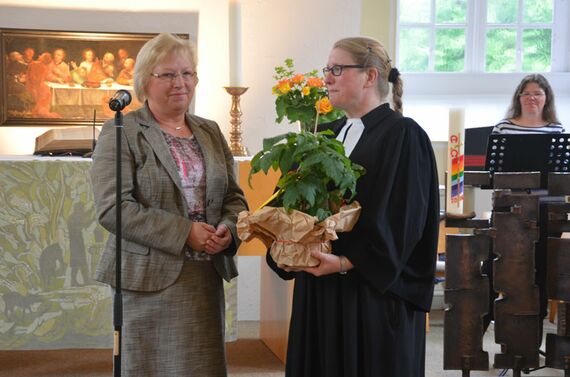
point(493, 36)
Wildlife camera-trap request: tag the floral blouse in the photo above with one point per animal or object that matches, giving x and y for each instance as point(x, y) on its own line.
point(189, 160)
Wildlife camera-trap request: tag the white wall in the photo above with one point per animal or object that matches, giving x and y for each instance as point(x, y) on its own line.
point(248, 295)
point(274, 30)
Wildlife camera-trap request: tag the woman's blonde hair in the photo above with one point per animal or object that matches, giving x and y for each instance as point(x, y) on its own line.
point(371, 53)
point(155, 51)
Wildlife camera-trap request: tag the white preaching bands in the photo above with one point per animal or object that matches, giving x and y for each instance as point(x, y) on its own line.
point(350, 134)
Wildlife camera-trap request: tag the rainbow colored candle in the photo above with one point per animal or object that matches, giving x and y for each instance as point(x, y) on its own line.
point(455, 161)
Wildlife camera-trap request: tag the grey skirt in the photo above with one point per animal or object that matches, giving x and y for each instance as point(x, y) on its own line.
point(178, 331)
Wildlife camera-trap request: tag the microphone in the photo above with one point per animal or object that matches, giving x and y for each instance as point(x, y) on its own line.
point(120, 100)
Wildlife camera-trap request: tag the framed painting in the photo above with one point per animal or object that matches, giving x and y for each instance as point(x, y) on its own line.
point(62, 78)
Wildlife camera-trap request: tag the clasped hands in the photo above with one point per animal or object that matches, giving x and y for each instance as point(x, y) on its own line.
point(205, 237)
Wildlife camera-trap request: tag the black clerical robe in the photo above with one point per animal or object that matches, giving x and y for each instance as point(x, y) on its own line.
point(371, 321)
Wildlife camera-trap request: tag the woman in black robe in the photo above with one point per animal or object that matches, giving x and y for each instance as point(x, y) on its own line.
point(361, 311)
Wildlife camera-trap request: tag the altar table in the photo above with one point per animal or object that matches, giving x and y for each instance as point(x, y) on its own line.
point(50, 244)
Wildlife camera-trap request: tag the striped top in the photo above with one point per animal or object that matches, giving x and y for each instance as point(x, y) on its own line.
point(506, 126)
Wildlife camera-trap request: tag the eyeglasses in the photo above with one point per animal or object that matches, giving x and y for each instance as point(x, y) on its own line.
point(336, 69)
point(534, 94)
point(171, 76)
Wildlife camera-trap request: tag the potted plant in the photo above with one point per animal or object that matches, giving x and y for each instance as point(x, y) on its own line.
point(314, 195)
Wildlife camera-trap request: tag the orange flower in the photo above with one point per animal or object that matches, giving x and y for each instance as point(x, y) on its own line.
point(298, 97)
point(283, 86)
point(324, 106)
point(298, 78)
point(315, 82)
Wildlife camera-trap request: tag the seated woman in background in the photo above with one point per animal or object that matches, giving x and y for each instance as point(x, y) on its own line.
point(532, 109)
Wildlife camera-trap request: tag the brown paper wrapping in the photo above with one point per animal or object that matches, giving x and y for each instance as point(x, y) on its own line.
point(292, 236)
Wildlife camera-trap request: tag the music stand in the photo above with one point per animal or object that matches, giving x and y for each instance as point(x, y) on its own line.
point(526, 152)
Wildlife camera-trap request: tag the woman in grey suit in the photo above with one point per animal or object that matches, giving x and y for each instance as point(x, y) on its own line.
point(180, 202)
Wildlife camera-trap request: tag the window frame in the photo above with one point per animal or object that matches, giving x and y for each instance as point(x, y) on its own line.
point(475, 35)
point(474, 80)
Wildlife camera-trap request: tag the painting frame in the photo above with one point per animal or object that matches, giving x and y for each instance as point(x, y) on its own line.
point(34, 92)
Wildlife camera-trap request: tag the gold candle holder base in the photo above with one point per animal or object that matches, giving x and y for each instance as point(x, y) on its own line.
point(235, 112)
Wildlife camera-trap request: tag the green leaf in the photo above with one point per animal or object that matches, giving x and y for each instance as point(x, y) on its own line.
point(269, 159)
point(255, 162)
point(291, 198)
point(286, 161)
point(270, 142)
point(305, 148)
point(307, 191)
point(323, 213)
point(334, 169)
point(281, 108)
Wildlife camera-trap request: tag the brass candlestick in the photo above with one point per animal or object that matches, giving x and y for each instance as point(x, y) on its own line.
point(235, 112)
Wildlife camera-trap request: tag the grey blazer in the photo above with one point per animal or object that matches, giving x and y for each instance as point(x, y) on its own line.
point(155, 222)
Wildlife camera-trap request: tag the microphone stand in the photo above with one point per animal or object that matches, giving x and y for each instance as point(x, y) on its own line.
point(118, 298)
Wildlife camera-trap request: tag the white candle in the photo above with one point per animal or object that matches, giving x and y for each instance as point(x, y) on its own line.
point(455, 161)
point(236, 78)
